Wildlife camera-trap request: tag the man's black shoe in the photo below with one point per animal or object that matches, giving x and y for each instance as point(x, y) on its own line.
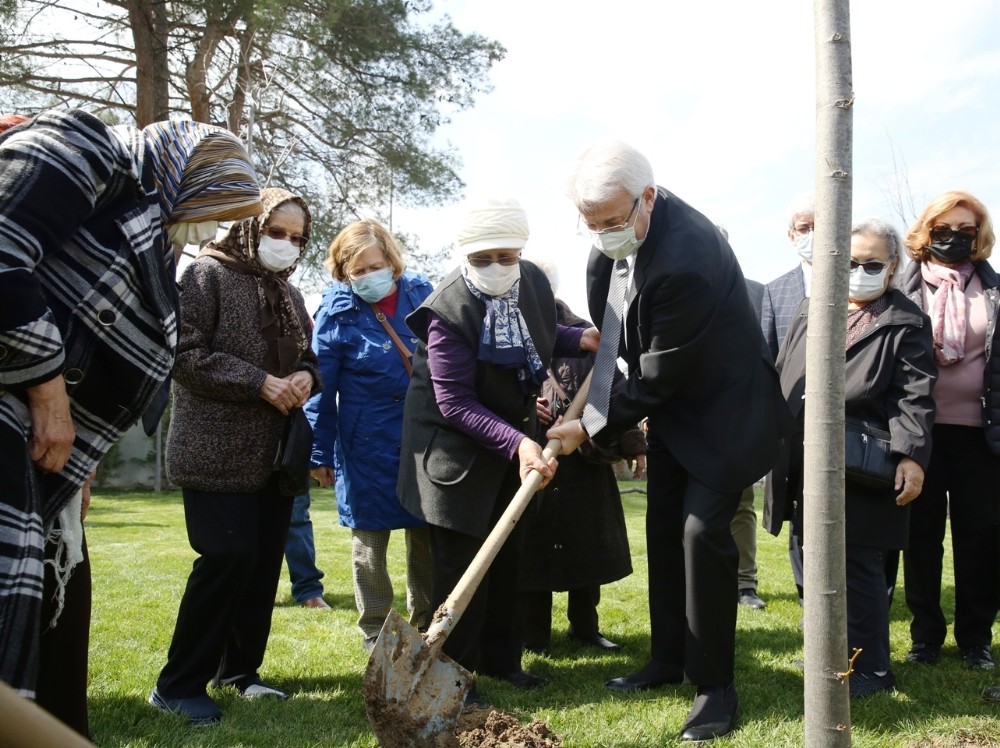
point(712, 715)
point(750, 599)
point(926, 654)
point(652, 675)
point(595, 640)
point(473, 700)
point(523, 680)
point(992, 694)
point(864, 685)
point(978, 658)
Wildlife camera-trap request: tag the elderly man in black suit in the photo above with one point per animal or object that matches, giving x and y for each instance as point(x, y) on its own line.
point(699, 370)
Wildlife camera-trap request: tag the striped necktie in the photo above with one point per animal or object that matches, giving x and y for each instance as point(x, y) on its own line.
point(595, 415)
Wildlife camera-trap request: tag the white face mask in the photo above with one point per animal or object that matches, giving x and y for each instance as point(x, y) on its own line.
point(182, 234)
point(804, 246)
point(864, 287)
point(494, 280)
point(276, 254)
point(617, 245)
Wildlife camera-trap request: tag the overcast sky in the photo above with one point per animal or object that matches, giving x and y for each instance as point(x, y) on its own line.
point(720, 95)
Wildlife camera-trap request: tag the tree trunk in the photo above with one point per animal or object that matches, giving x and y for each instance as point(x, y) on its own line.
point(827, 704)
point(148, 19)
point(196, 74)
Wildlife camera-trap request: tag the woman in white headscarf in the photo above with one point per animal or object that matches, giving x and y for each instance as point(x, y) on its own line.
point(488, 333)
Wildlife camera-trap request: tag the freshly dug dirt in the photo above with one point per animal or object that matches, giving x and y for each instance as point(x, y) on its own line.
point(491, 728)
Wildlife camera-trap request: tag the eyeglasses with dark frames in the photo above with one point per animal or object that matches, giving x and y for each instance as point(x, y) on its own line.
point(485, 262)
point(872, 267)
point(280, 235)
point(944, 233)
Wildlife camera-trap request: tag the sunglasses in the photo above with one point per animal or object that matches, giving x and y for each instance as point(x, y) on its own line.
point(945, 233)
point(872, 267)
point(280, 235)
point(485, 262)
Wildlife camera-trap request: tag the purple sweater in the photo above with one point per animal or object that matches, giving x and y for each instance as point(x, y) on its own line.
point(452, 367)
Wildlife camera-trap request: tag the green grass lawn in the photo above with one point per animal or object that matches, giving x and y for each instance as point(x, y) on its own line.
point(141, 559)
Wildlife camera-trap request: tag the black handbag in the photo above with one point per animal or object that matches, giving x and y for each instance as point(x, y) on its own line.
point(294, 454)
point(868, 458)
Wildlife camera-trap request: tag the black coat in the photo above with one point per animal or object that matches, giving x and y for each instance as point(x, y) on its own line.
point(574, 531)
point(888, 377)
point(446, 477)
point(698, 366)
point(912, 286)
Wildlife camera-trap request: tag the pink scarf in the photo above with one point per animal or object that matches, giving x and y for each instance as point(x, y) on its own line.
point(947, 312)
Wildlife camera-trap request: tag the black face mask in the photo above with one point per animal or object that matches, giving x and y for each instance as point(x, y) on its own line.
point(955, 250)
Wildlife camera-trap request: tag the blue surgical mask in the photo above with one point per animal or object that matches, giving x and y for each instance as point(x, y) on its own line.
point(373, 286)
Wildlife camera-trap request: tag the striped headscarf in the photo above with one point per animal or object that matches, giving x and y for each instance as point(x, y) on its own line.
point(202, 172)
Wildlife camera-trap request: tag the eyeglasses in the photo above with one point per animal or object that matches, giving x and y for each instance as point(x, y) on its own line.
point(620, 226)
point(485, 262)
point(803, 228)
point(872, 267)
point(945, 233)
point(280, 235)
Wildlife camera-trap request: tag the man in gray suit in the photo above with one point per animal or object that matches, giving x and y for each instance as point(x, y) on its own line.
point(780, 300)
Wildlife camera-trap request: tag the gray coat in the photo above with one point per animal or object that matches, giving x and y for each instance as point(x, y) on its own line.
point(223, 436)
point(889, 375)
point(445, 476)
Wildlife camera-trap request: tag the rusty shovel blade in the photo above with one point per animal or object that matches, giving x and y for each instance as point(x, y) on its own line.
point(413, 692)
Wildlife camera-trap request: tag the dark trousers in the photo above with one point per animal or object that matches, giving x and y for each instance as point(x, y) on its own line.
point(536, 614)
point(867, 608)
point(962, 482)
point(63, 649)
point(487, 638)
point(692, 572)
point(225, 614)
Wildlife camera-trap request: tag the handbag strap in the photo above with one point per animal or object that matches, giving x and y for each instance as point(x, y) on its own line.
point(404, 353)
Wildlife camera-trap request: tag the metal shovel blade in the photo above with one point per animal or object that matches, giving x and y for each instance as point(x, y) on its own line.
point(413, 692)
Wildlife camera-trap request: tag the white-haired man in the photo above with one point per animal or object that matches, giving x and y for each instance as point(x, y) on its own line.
point(701, 373)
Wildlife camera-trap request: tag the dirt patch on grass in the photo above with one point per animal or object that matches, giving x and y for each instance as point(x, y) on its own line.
point(491, 728)
point(963, 738)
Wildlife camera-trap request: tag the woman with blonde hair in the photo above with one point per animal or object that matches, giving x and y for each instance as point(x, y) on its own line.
point(364, 349)
point(952, 281)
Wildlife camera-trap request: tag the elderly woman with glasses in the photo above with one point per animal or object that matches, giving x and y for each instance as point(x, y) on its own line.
point(952, 281)
point(487, 334)
point(244, 361)
point(889, 372)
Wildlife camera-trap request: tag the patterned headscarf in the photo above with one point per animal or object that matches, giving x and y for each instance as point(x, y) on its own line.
point(202, 172)
point(279, 322)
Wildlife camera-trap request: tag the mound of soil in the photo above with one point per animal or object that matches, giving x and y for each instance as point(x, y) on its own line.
point(491, 728)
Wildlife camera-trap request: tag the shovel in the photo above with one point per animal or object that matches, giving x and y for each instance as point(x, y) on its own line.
point(414, 692)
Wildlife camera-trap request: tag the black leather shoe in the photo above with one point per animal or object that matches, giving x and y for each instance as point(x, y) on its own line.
point(712, 715)
point(749, 598)
point(978, 658)
point(652, 675)
point(863, 685)
point(473, 700)
point(926, 654)
point(596, 640)
point(523, 680)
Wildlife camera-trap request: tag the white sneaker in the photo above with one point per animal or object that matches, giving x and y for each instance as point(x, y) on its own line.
point(258, 689)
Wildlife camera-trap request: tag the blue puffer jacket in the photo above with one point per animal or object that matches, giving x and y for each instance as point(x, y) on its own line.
point(358, 417)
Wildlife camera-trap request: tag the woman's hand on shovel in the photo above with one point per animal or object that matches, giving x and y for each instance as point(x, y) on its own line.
point(529, 453)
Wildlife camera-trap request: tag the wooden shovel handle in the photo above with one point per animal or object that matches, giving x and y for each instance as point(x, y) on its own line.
point(454, 606)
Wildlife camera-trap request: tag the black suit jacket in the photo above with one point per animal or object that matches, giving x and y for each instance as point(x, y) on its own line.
point(698, 366)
